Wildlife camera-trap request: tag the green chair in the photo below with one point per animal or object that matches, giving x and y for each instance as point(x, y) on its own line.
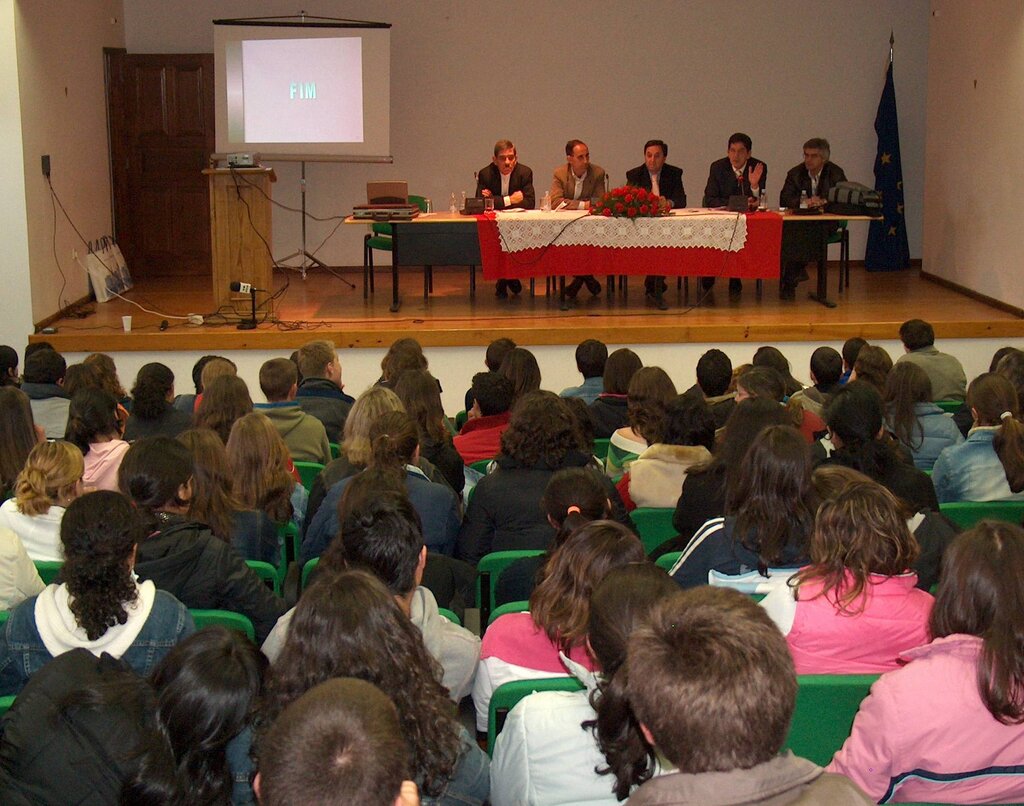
point(4, 615)
point(841, 236)
point(601, 445)
point(507, 695)
point(460, 420)
point(308, 569)
point(268, 573)
point(654, 524)
point(335, 449)
point(6, 703)
point(967, 513)
point(487, 572)
point(308, 471)
point(451, 615)
point(508, 607)
point(291, 542)
point(667, 560)
point(224, 618)
point(379, 237)
point(949, 406)
point(481, 465)
point(48, 569)
point(825, 707)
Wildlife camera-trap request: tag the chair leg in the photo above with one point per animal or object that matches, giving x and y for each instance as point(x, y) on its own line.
point(366, 271)
point(844, 256)
point(533, 286)
point(759, 289)
point(472, 281)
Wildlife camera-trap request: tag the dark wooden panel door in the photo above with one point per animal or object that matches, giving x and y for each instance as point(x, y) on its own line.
point(162, 134)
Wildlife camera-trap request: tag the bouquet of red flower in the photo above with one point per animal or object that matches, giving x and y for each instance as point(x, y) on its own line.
point(630, 202)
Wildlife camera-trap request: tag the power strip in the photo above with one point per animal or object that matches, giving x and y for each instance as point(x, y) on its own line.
point(195, 319)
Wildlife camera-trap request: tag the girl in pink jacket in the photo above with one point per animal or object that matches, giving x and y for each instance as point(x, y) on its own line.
point(949, 726)
point(855, 607)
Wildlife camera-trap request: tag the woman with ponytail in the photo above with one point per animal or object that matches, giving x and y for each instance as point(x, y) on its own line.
point(989, 466)
point(394, 451)
point(49, 482)
point(541, 752)
point(94, 428)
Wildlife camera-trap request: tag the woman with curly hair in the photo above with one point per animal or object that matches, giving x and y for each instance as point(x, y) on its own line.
point(250, 532)
point(224, 400)
point(650, 392)
point(153, 413)
point(520, 646)
point(94, 429)
point(541, 751)
point(505, 512)
point(99, 606)
point(261, 477)
point(45, 487)
point(18, 434)
point(421, 396)
point(348, 624)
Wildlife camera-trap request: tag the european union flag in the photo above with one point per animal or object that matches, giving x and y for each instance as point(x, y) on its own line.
point(887, 248)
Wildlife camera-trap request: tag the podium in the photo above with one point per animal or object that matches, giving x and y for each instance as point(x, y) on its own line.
point(241, 247)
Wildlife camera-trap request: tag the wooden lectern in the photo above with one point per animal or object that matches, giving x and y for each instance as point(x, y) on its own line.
point(239, 252)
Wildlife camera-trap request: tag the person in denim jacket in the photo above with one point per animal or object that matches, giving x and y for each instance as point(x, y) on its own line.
point(100, 606)
point(989, 466)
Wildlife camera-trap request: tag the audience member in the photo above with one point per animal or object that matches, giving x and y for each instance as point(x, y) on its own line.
point(504, 512)
point(19, 578)
point(520, 367)
point(524, 646)
point(714, 377)
point(224, 400)
point(348, 624)
point(917, 424)
point(153, 413)
point(945, 372)
point(851, 349)
point(419, 393)
point(18, 434)
point(216, 367)
point(711, 683)
point(8, 366)
point(50, 480)
point(187, 403)
point(44, 384)
point(78, 377)
point(855, 607)
point(93, 428)
point(339, 743)
point(321, 392)
point(872, 366)
point(989, 466)
point(765, 383)
point(826, 372)
point(649, 393)
point(106, 371)
point(769, 514)
point(402, 356)
point(480, 438)
point(261, 477)
point(180, 555)
point(541, 752)
point(609, 411)
point(494, 355)
point(768, 356)
point(303, 434)
point(591, 356)
point(99, 605)
point(947, 726)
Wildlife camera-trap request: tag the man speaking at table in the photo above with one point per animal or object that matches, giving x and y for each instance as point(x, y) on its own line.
point(815, 176)
point(737, 174)
point(510, 184)
point(666, 180)
point(581, 181)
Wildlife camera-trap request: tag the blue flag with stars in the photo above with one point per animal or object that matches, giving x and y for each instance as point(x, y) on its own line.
point(887, 248)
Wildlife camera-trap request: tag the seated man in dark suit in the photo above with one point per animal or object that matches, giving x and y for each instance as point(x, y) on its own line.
point(578, 180)
point(665, 180)
point(737, 174)
point(510, 184)
point(815, 176)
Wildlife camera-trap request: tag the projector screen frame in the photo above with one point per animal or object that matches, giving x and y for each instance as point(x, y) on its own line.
point(273, 152)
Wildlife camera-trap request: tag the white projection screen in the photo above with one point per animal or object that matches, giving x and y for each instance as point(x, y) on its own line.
point(303, 91)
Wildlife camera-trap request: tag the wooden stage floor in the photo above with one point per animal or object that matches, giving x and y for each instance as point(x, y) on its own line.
point(322, 305)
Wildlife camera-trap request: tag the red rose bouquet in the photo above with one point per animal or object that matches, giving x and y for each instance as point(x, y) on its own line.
point(630, 202)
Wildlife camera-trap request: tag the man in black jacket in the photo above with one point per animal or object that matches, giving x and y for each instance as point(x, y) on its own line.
point(666, 180)
point(320, 392)
point(510, 184)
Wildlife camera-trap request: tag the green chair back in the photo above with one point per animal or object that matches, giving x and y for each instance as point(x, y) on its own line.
point(460, 420)
point(837, 233)
point(487, 572)
point(307, 569)
point(601, 445)
point(654, 524)
point(48, 569)
point(825, 707)
point(268, 573)
point(6, 703)
point(967, 513)
point(288, 533)
point(335, 449)
point(419, 201)
point(481, 465)
point(949, 406)
point(308, 471)
point(507, 695)
point(4, 615)
point(667, 560)
point(451, 615)
point(508, 607)
point(224, 618)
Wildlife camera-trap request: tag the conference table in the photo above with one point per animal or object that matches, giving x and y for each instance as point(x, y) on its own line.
point(525, 245)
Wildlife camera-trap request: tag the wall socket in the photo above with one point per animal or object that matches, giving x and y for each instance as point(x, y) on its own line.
point(46, 165)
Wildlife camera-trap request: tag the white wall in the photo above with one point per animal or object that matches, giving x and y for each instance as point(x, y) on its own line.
point(975, 117)
point(63, 113)
point(465, 74)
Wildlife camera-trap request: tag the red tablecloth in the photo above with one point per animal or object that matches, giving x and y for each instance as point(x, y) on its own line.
point(758, 259)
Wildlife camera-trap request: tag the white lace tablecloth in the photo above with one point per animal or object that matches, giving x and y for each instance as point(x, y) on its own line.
point(526, 230)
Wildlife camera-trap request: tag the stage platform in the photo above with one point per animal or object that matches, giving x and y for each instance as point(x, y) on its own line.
point(322, 305)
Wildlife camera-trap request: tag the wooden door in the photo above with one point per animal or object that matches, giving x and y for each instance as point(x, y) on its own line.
point(161, 121)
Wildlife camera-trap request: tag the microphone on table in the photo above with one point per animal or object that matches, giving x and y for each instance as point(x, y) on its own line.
point(246, 288)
